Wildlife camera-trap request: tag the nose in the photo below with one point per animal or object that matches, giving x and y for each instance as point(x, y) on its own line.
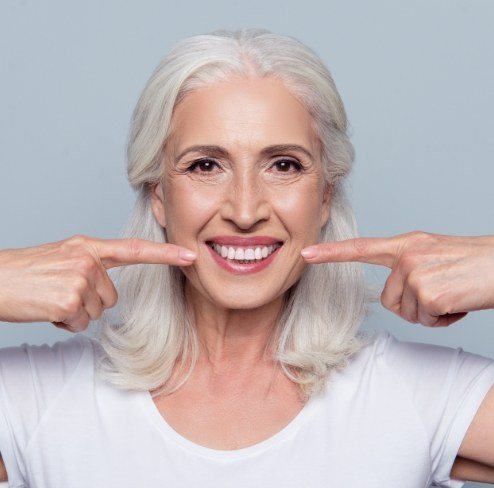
point(245, 203)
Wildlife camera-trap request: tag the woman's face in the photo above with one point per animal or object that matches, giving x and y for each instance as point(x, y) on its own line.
point(242, 186)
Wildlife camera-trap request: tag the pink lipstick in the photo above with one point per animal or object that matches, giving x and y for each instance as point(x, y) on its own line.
point(240, 267)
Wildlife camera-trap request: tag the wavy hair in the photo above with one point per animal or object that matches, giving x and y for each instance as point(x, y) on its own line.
point(318, 326)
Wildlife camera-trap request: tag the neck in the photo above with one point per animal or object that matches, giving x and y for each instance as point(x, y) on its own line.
point(239, 338)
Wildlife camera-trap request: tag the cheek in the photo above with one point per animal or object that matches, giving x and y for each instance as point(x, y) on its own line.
point(187, 209)
point(300, 212)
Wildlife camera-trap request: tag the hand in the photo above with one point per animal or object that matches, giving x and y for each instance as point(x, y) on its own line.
point(66, 282)
point(435, 279)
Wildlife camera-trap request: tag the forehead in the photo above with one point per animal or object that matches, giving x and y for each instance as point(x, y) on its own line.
point(242, 114)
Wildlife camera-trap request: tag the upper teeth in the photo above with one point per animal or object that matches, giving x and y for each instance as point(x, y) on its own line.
point(244, 253)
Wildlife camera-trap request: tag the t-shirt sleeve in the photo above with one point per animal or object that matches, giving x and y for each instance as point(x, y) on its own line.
point(447, 386)
point(31, 378)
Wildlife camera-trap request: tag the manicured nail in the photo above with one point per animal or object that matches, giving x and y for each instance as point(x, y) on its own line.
point(309, 252)
point(187, 255)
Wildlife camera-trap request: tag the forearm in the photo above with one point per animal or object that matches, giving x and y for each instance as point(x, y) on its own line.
point(3, 471)
point(466, 469)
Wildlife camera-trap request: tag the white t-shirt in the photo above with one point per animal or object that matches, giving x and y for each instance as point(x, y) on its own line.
point(394, 417)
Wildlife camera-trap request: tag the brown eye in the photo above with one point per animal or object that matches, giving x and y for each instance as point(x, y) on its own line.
point(284, 165)
point(204, 165)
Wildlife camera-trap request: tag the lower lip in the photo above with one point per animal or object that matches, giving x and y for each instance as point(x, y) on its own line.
point(239, 268)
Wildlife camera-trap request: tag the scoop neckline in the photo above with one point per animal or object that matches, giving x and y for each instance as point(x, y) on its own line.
point(170, 433)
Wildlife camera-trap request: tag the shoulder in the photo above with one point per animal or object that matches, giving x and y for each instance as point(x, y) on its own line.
point(32, 378)
point(422, 371)
point(63, 354)
point(438, 381)
point(411, 359)
point(39, 371)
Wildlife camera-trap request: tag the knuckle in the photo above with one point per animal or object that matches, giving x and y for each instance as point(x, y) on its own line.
point(109, 294)
point(77, 239)
point(57, 316)
point(96, 314)
point(135, 248)
point(113, 299)
point(69, 328)
point(415, 280)
point(386, 294)
point(395, 308)
point(80, 326)
point(387, 303)
point(71, 304)
point(423, 238)
point(85, 263)
point(428, 300)
point(442, 305)
point(408, 316)
point(396, 311)
point(80, 282)
point(417, 234)
point(427, 320)
point(409, 261)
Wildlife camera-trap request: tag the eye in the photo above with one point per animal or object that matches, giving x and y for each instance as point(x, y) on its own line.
point(284, 165)
point(205, 165)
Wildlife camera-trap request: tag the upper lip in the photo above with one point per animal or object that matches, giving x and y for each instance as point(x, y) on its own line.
point(244, 241)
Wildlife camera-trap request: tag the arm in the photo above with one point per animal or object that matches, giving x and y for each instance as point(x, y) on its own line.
point(3, 471)
point(478, 444)
point(468, 470)
point(435, 280)
point(66, 282)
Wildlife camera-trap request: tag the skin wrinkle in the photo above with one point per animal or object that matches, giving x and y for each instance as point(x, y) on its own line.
point(235, 315)
point(218, 151)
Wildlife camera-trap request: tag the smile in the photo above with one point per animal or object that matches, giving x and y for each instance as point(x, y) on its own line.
point(243, 259)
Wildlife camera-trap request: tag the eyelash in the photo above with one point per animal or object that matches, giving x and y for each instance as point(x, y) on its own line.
point(197, 162)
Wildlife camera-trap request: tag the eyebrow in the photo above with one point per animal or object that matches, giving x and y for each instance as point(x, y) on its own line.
point(218, 151)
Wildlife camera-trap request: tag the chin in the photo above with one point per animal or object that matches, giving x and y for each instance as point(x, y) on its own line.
point(236, 303)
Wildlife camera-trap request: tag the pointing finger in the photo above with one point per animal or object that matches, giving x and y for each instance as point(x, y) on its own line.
point(122, 252)
point(372, 250)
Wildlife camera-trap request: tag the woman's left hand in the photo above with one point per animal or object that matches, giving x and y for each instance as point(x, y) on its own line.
point(435, 279)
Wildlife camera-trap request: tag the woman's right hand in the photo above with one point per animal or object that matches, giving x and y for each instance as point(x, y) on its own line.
point(66, 282)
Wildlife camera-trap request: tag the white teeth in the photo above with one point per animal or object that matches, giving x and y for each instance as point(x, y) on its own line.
point(244, 254)
point(250, 254)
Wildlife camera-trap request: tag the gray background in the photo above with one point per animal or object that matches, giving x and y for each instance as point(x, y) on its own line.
point(416, 79)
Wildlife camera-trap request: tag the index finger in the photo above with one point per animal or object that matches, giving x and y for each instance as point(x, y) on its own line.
point(372, 250)
point(121, 252)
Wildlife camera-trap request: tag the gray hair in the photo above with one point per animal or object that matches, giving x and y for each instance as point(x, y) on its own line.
point(318, 326)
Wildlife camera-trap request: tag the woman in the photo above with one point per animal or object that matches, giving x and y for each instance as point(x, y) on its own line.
point(240, 363)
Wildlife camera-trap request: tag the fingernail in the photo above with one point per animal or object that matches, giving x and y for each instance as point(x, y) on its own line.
point(187, 255)
point(309, 252)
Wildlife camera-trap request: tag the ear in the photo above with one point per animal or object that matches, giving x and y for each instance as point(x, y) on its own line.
point(157, 202)
point(326, 204)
